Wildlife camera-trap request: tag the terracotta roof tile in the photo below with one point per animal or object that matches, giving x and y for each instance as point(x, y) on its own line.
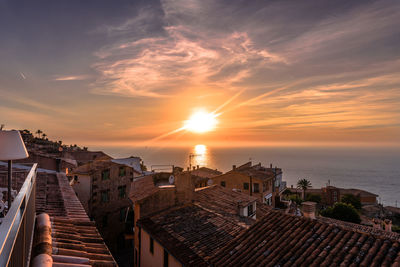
point(190, 233)
point(281, 239)
point(74, 237)
point(142, 188)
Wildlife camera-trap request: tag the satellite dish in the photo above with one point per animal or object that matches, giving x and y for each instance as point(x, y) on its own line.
point(210, 182)
point(171, 179)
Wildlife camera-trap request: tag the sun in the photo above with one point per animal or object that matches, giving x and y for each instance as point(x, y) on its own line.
point(201, 122)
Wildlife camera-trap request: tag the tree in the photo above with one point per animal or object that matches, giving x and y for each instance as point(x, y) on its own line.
point(39, 132)
point(352, 199)
point(314, 198)
point(44, 136)
point(342, 211)
point(295, 198)
point(303, 184)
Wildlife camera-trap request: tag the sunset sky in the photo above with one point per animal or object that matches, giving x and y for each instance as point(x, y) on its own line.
point(128, 72)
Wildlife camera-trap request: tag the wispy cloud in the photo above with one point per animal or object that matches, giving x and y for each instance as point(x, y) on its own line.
point(71, 78)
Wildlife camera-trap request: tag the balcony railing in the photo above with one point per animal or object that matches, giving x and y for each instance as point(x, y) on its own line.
point(17, 227)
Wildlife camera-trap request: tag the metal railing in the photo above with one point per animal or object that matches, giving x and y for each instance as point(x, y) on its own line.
point(17, 227)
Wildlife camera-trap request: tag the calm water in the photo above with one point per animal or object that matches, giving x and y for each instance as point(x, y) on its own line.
point(374, 169)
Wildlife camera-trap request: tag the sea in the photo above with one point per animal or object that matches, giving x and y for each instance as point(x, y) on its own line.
point(376, 170)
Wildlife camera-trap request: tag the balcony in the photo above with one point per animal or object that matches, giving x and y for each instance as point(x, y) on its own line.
point(17, 226)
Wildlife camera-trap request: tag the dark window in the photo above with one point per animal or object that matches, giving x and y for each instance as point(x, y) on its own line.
point(223, 183)
point(256, 188)
point(122, 171)
point(122, 191)
point(105, 175)
point(246, 186)
point(264, 187)
point(122, 214)
point(76, 178)
point(105, 196)
point(165, 258)
point(105, 220)
point(250, 210)
point(151, 245)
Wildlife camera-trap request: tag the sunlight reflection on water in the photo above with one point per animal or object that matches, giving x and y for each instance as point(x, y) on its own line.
point(198, 156)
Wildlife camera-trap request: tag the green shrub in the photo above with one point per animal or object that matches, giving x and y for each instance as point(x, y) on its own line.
point(296, 199)
point(313, 198)
point(352, 199)
point(342, 211)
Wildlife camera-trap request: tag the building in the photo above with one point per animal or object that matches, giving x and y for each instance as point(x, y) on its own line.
point(331, 194)
point(179, 225)
point(103, 186)
point(202, 175)
point(280, 239)
point(254, 180)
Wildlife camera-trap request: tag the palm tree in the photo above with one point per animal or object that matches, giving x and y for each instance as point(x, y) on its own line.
point(39, 132)
point(44, 136)
point(303, 184)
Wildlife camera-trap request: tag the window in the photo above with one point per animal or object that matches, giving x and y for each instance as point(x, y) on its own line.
point(246, 186)
point(122, 171)
point(122, 191)
point(75, 178)
point(256, 188)
point(122, 214)
point(264, 187)
point(250, 210)
point(165, 258)
point(223, 183)
point(105, 196)
point(105, 175)
point(335, 198)
point(105, 220)
point(151, 245)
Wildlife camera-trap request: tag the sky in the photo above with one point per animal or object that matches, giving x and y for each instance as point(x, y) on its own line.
point(129, 72)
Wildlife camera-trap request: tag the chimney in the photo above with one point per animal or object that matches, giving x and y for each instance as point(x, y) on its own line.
point(270, 165)
point(233, 167)
point(388, 225)
point(308, 209)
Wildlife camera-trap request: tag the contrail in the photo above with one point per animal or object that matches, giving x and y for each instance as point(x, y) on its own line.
point(22, 75)
point(228, 101)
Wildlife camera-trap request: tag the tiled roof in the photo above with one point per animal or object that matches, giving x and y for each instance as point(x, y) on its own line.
point(224, 202)
point(75, 238)
point(190, 233)
point(257, 171)
point(142, 188)
point(205, 172)
point(280, 239)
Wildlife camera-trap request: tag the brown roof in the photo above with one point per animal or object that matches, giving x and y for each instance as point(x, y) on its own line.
point(142, 188)
point(257, 171)
point(280, 239)
point(190, 233)
point(73, 234)
point(224, 202)
point(205, 172)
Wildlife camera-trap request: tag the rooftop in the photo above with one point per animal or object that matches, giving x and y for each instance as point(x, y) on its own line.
point(280, 239)
point(256, 171)
point(190, 233)
point(74, 237)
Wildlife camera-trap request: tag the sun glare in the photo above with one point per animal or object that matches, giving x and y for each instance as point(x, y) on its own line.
point(201, 122)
